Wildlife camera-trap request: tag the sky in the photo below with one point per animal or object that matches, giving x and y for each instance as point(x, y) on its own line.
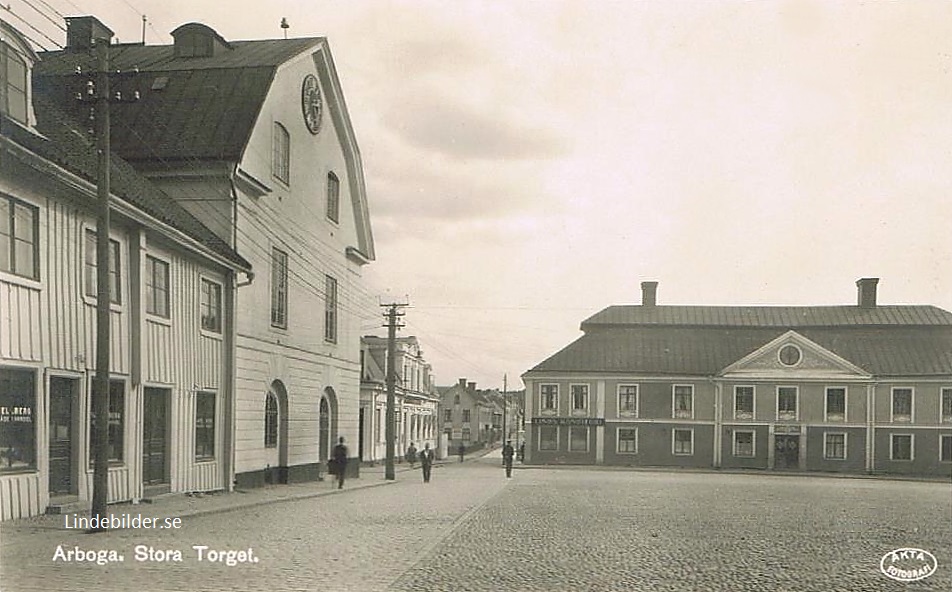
point(529, 163)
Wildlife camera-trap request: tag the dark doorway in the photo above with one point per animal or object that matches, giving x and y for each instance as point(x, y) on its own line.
point(155, 427)
point(61, 435)
point(786, 452)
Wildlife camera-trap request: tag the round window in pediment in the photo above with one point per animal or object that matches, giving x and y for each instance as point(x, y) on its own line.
point(790, 355)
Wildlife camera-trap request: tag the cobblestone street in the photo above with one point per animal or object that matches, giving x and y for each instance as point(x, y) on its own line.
point(572, 529)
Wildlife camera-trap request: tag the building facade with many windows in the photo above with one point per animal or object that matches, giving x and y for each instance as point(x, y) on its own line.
point(856, 389)
point(171, 300)
point(254, 139)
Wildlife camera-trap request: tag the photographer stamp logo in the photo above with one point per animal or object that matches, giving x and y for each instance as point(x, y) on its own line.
point(908, 564)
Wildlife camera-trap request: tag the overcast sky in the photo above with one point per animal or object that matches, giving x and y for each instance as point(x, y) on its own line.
point(529, 163)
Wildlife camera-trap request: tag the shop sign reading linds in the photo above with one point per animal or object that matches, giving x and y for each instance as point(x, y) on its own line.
point(569, 421)
point(16, 414)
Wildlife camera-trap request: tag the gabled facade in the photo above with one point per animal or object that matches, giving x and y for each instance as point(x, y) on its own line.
point(172, 312)
point(254, 138)
point(416, 402)
point(471, 417)
point(856, 389)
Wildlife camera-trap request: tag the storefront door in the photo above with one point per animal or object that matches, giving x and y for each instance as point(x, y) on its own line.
point(61, 435)
point(787, 452)
point(155, 436)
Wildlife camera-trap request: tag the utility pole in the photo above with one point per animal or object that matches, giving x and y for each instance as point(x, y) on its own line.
point(393, 313)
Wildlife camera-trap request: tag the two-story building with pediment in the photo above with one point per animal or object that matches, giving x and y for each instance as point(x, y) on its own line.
point(854, 389)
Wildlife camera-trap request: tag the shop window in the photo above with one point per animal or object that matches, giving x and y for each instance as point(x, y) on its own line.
point(834, 446)
point(743, 444)
point(548, 438)
point(578, 439)
point(17, 420)
point(204, 426)
point(627, 441)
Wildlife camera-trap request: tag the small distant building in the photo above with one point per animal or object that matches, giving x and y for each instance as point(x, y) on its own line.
point(471, 417)
point(853, 389)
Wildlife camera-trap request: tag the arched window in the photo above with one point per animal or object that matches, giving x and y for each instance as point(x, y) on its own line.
point(271, 421)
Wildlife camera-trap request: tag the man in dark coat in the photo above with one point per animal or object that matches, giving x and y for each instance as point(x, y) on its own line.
point(426, 461)
point(339, 460)
point(507, 453)
point(411, 454)
point(462, 452)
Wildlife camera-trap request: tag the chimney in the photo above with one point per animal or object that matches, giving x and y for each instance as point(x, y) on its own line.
point(471, 386)
point(866, 293)
point(462, 383)
point(649, 293)
point(82, 32)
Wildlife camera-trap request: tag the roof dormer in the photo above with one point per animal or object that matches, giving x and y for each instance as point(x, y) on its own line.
point(195, 40)
point(17, 59)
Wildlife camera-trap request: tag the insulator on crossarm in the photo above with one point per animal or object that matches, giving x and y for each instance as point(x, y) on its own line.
point(135, 96)
point(79, 70)
point(90, 88)
point(118, 96)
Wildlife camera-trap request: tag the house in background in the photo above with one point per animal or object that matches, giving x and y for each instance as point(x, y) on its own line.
point(254, 139)
point(471, 417)
point(853, 389)
point(416, 399)
point(172, 300)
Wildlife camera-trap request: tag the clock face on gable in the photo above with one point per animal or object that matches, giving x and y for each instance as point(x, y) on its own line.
point(311, 103)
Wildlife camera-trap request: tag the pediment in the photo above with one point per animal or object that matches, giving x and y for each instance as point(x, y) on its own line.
point(793, 356)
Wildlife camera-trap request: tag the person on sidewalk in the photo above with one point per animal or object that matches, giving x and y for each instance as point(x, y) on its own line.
point(411, 454)
point(507, 453)
point(462, 452)
point(339, 462)
point(426, 461)
point(522, 452)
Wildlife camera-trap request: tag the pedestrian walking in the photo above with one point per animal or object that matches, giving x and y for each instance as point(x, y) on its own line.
point(339, 462)
point(462, 452)
point(522, 452)
point(507, 453)
point(426, 461)
point(411, 454)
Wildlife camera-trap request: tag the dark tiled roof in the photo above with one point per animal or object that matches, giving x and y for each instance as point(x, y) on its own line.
point(788, 317)
point(200, 108)
point(707, 351)
point(72, 149)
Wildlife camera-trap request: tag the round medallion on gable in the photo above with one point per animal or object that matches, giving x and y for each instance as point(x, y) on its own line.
point(311, 103)
point(790, 355)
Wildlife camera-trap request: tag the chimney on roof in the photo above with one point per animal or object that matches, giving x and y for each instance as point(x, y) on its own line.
point(462, 383)
point(471, 386)
point(649, 293)
point(82, 32)
point(866, 292)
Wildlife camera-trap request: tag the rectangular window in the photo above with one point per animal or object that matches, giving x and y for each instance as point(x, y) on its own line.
point(627, 441)
point(787, 402)
point(467, 434)
point(743, 444)
point(211, 306)
point(548, 438)
point(205, 426)
point(902, 404)
point(330, 310)
point(116, 424)
point(834, 446)
point(447, 415)
point(549, 397)
point(156, 287)
point(945, 448)
point(901, 447)
point(683, 395)
point(947, 405)
point(579, 398)
point(13, 72)
point(333, 197)
point(279, 288)
point(466, 416)
point(628, 400)
point(835, 403)
point(19, 232)
point(682, 442)
point(281, 159)
point(743, 402)
point(17, 420)
point(578, 439)
point(90, 268)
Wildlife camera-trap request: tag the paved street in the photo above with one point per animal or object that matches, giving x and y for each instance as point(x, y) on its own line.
point(571, 529)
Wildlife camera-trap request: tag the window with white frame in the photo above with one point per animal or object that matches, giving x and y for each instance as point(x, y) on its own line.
point(578, 439)
point(279, 288)
point(744, 443)
point(281, 156)
point(447, 415)
point(548, 438)
point(945, 448)
point(682, 442)
point(467, 434)
point(901, 447)
point(787, 403)
point(204, 426)
point(902, 404)
point(156, 287)
point(946, 412)
point(579, 398)
point(835, 403)
point(627, 442)
point(743, 402)
point(271, 420)
point(628, 400)
point(683, 401)
point(90, 267)
point(13, 83)
point(834, 446)
point(330, 309)
point(19, 232)
point(211, 306)
point(333, 197)
point(549, 397)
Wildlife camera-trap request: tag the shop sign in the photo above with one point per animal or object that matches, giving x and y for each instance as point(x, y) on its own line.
point(569, 421)
point(787, 429)
point(16, 415)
